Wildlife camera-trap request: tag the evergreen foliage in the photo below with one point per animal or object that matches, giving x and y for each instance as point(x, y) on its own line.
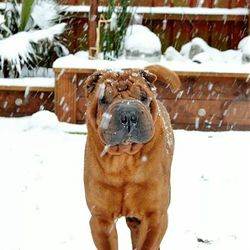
point(25, 14)
point(11, 18)
point(112, 34)
point(21, 24)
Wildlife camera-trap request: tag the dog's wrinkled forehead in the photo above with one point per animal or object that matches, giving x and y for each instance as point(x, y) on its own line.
point(121, 80)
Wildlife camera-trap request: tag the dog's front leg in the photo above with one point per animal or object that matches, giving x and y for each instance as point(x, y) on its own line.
point(104, 233)
point(152, 230)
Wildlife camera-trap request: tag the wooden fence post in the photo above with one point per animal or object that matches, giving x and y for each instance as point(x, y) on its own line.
point(65, 95)
point(93, 16)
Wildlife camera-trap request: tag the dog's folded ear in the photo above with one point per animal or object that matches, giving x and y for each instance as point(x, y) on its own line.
point(166, 76)
point(149, 77)
point(91, 81)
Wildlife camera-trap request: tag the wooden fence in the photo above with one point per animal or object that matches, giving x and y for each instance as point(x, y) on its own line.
point(22, 100)
point(172, 3)
point(220, 31)
point(208, 101)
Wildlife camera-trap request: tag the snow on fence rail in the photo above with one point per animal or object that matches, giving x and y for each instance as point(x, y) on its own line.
point(160, 10)
point(30, 82)
point(166, 10)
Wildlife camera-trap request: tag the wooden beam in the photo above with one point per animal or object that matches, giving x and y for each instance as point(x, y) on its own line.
point(65, 97)
point(168, 16)
point(93, 16)
point(23, 88)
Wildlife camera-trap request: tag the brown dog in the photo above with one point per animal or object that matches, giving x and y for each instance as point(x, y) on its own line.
point(128, 156)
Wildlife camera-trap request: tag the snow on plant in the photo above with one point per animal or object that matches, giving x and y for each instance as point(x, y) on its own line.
point(172, 54)
point(244, 47)
point(112, 34)
point(136, 36)
point(136, 47)
point(23, 44)
point(32, 42)
point(137, 19)
point(113, 21)
point(2, 20)
point(44, 21)
point(197, 50)
point(11, 19)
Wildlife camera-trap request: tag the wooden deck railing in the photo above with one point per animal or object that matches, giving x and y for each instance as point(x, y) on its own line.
point(207, 101)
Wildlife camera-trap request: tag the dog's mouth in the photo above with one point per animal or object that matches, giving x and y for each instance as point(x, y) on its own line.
point(127, 148)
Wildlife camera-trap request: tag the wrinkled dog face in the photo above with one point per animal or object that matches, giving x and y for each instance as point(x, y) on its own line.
point(123, 107)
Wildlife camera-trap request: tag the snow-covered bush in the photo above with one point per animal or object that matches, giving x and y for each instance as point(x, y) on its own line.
point(37, 44)
point(244, 47)
point(141, 42)
point(197, 50)
point(172, 54)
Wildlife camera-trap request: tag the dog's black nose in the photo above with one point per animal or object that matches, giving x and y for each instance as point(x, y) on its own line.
point(128, 118)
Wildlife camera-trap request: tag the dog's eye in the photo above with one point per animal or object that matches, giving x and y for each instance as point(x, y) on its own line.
point(143, 97)
point(103, 100)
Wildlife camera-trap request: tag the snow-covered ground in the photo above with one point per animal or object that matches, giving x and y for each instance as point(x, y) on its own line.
point(42, 203)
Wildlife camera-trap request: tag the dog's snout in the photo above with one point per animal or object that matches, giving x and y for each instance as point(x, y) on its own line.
point(131, 122)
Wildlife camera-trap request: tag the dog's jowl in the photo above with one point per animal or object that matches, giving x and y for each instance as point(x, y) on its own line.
point(128, 155)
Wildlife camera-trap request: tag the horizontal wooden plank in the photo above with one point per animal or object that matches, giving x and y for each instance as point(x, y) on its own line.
point(213, 74)
point(194, 17)
point(209, 113)
point(177, 10)
point(19, 103)
point(208, 88)
point(179, 17)
point(23, 88)
point(187, 3)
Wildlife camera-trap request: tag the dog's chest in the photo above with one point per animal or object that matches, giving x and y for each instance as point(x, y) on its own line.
point(123, 169)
